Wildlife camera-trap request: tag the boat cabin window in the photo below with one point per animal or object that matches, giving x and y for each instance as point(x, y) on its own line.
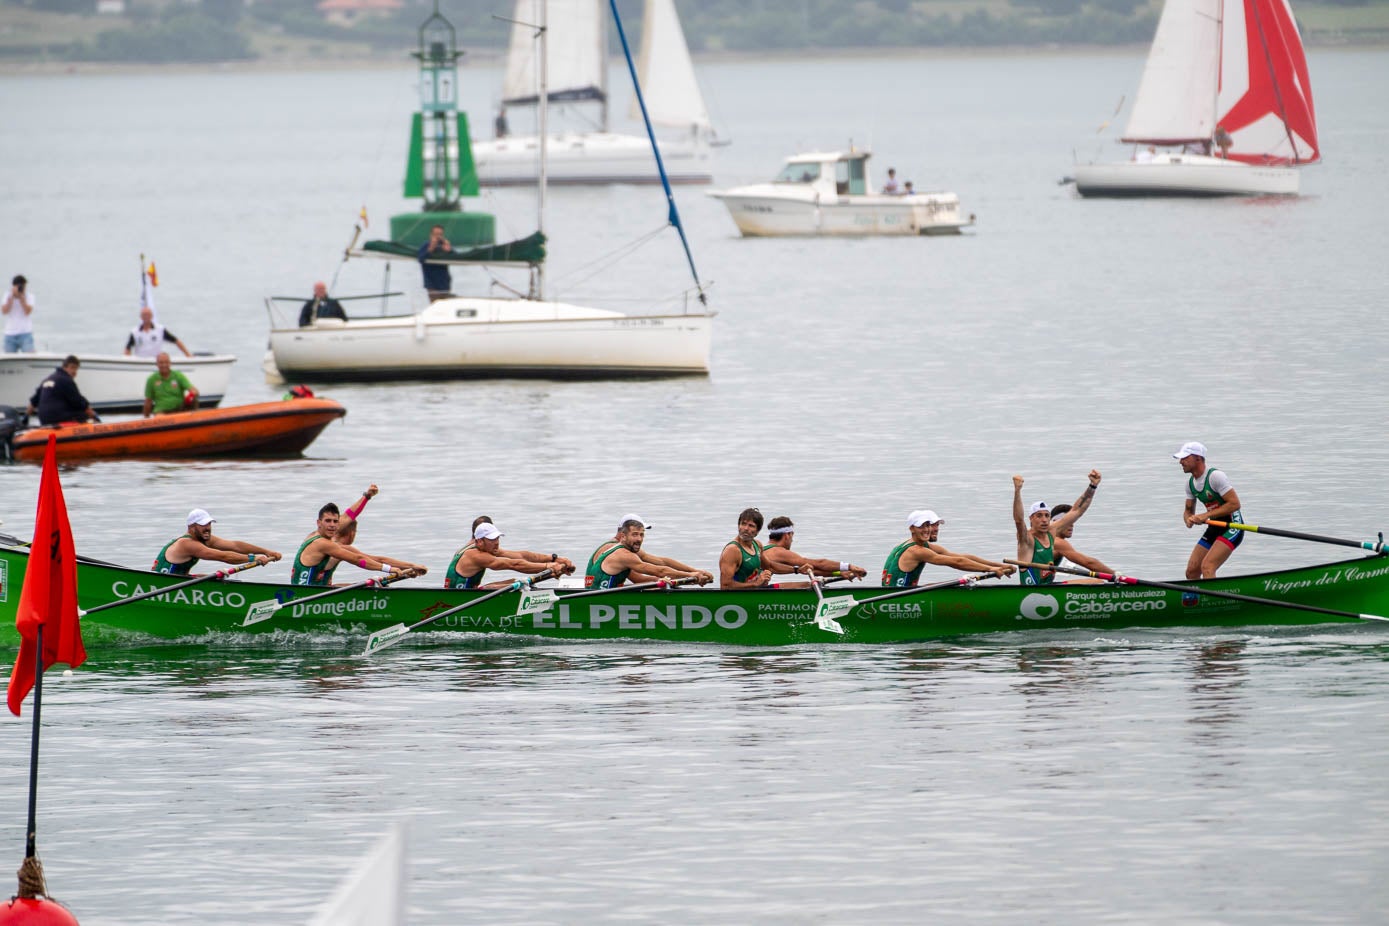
point(465, 313)
point(851, 177)
point(798, 173)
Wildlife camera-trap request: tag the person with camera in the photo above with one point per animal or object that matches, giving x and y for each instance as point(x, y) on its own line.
point(18, 309)
point(438, 282)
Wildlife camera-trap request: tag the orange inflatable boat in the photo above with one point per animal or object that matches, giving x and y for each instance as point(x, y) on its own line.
point(271, 428)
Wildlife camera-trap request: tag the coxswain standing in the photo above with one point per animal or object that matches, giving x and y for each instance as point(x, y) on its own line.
point(778, 556)
point(315, 560)
point(622, 558)
point(1038, 534)
point(180, 555)
point(740, 562)
point(485, 552)
point(1222, 504)
point(905, 562)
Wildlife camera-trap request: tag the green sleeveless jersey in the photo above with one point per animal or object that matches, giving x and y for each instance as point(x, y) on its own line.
point(309, 575)
point(892, 572)
point(455, 579)
point(751, 563)
point(595, 577)
point(162, 564)
point(1040, 554)
point(1209, 497)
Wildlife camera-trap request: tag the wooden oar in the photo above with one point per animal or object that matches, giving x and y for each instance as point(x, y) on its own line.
point(390, 636)
point(1374, 546)
point(827, 609)
point(264, 610)
point(1176, 587)
point(156, 592)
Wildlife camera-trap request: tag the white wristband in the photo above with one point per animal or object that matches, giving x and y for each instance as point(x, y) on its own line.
point(843, 567)
point(387, 569)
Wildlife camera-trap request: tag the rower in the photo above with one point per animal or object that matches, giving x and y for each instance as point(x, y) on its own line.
point(905, 562)
point(314, 562)
point(1038, 533)
point(740, 562)
point(778, 556)
point(1065, 550)
point(622, 558)
point(485, 552)
point(180, 555)
point(1222, 504)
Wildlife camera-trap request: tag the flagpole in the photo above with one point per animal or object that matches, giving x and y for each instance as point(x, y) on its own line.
point(29, 847)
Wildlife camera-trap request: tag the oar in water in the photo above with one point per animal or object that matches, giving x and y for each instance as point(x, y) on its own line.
point(1374, 546)
point(389, 636)
point(264, 610)
point(827, 609)
point(534, 601)
point(1191, 589)
point(156, 592)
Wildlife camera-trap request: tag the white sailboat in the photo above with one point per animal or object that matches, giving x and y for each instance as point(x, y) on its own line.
point(576, 73)
point(1224, 107)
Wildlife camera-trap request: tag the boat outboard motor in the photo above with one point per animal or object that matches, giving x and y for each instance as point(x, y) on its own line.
point(12, 421)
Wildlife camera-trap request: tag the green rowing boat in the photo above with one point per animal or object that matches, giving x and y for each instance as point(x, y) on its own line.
point(741, 618)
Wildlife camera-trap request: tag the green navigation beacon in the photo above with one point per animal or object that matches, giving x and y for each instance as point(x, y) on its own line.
point(440, 167)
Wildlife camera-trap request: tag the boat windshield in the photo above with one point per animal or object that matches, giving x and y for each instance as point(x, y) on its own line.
point(851, 177)
point(798, 173)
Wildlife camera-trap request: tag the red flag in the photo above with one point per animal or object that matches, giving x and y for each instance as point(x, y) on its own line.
point(49, 597)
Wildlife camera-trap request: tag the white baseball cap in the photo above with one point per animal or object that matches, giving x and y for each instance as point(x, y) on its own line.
point(487, 532)
point(633, 517)
point(199, 516)
point(1036, 507)
point(1190, 449)
point(922, 517)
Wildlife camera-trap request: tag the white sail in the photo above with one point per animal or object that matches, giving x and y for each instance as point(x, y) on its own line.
point(1176, 99)
point(576, 62)
point(666, 72)
point(374, 894)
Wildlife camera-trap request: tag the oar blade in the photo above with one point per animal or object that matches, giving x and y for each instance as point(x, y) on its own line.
point(536, 600)
point(829, 610)
point(261, 611)
point(388, 636)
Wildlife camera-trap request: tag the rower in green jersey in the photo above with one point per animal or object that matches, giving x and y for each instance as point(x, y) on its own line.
point(485, 552)
point(180, 555)
point(778, 556)
point(1039, 534)
point(904, 564)
point(320, 554)
point(1211, 487)
point(622, 558)
point(740, 563)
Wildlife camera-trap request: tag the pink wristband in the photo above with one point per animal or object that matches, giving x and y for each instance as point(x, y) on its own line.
point(362, 562)
point(356, 510)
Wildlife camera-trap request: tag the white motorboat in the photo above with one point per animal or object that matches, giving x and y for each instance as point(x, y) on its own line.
point(1224, 107)
point(112, 383)
point(576, 73)
point(828, 193)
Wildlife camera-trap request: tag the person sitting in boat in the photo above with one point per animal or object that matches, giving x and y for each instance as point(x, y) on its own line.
point(1145, 156)
point(908, 189)
point(1222, 504)
point(622, 558)
point(904, 564)
point(1065, 550)
point(438, 282)
point(58, 399)
point(1223, 141)
point(740, 563)
point(321, 553)
point(485, 552)
point(778, 556)
point(1037, 532)
point(148, 338)
point(167, 390)
point(320, 306)
point(180, 555)
point(890, 187)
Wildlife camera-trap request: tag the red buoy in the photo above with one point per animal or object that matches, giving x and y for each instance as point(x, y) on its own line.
point(25, 911)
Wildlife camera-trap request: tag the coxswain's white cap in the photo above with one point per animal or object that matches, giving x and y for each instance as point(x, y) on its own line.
point(199, 516)
point(922, 517)
point(1036, 507)
point(1190, 449)
point(633, 517)
point(487, 532)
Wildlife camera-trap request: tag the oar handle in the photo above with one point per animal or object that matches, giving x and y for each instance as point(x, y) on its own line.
point(156, 592)
point(1374, 546)
point(918, 589)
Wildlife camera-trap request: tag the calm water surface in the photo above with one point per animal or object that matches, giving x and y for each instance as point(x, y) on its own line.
point(1175, 777)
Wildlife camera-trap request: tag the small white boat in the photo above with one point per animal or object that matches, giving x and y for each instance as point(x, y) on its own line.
point(828, 193)
point(1226, 96)
point(112, 383)
point(576, 74)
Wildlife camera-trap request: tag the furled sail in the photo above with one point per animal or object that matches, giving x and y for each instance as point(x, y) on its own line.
point(576, 56)
point(1265, 99)
point(1176, 100)
point(666, 71)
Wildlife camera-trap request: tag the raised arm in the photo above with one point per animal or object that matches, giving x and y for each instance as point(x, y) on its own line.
point(1019, 520)
point(1081, 505)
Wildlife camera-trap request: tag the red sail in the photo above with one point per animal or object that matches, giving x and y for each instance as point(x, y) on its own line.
point(1265, 93)
point(49, 598)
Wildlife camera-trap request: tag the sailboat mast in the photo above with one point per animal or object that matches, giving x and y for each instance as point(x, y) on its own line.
point(603, 60)
point(1219, 66)
point(543, 102)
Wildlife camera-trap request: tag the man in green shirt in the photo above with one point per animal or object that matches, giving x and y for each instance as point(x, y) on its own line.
point(168, 390)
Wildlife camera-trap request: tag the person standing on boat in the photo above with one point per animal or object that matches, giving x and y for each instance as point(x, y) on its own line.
point(778, 556)
point(320, 554)
point(180, 555)
point(58, 399)
point(1211, 487)
point(740, 563)
point(904, 564)
point(622, 558)
point(1037, 533)
point(502, 129)
point(485, 552)
point(148, 338)
point(890, 184)
point(18, 309)
point(320, 306)
point(167, 390)
point(438, 282)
